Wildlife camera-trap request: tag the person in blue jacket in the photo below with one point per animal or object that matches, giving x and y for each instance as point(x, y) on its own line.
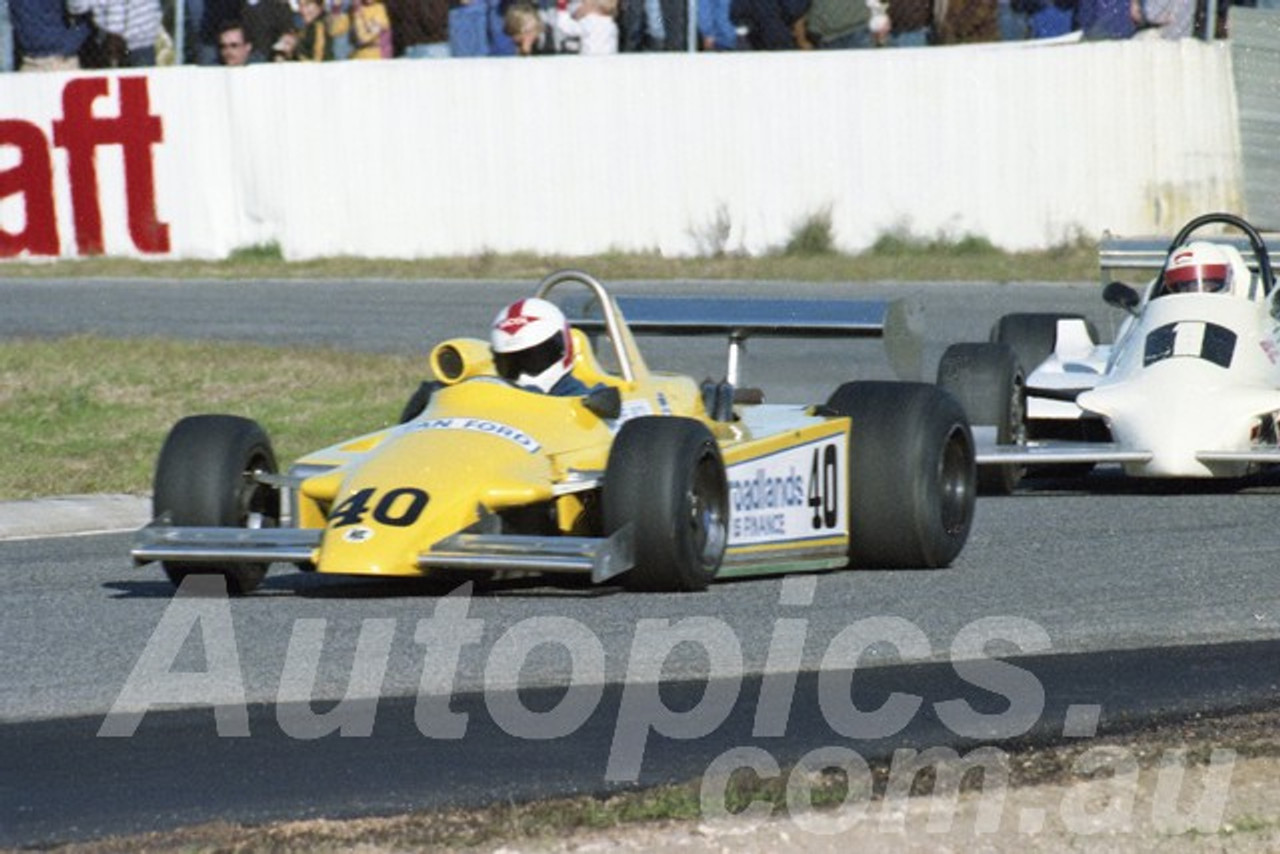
point(46, 37)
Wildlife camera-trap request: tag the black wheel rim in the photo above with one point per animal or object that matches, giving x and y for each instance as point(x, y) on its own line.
point(1018, 412)
point(1018, 420)
point(707, 512)
point(256, 505)
point(955, 482)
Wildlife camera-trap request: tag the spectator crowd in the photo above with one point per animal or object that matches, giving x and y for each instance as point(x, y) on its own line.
point(40, 35)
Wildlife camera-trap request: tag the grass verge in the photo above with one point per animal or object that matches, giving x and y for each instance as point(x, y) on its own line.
point(895, 257)
point(88, 415)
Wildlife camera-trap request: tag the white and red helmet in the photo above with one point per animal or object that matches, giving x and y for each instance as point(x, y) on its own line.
point(1198, 268)
point(531, 344)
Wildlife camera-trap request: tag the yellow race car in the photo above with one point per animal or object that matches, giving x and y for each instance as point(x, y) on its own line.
point(651, 479)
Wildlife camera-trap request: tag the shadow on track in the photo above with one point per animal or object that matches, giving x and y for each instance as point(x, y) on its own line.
point(68, 783)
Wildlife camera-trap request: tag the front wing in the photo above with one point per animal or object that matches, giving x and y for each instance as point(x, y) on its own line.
point(601, 557)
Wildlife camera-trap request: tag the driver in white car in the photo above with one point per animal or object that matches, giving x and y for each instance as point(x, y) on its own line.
point(1198, 268)
point(1202, 267)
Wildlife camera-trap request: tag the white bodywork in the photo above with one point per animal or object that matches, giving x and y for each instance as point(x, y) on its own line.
point(1191, 387)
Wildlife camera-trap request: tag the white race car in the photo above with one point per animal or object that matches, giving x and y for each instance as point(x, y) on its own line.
point(1190, 389)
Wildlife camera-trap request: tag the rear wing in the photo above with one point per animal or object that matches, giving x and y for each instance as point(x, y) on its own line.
point(1149, 253)
point(898, 322)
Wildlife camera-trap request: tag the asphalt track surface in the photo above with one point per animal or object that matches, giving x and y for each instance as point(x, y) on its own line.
point(1074, 608)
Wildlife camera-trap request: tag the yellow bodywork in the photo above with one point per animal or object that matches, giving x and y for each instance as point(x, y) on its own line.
point(481, 447)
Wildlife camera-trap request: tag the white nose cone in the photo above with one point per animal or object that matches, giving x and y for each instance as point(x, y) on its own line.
point(1177, 414)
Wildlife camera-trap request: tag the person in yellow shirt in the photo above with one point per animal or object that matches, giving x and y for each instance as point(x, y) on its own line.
point(370, 30)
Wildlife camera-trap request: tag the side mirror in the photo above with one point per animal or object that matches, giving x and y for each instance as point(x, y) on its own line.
point(1121, 296)
point(604, 402)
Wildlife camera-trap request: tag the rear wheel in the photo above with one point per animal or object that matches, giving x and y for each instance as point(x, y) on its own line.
point(1033, 335)
point(665, 476)
point(205, 477)
point(989, 384)
point(912, 479)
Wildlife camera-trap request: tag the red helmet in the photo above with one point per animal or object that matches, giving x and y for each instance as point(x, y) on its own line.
point(531, 344)
point(1197, 268)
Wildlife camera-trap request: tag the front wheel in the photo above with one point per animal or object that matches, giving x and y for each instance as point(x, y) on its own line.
point(665, 476)
point(912, 478)
point(207, 477)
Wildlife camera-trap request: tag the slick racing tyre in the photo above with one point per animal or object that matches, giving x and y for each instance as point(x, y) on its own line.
point(665, 477)
point(205, 478)
point(1033, 336)
point(989, 384)
point(912, 478)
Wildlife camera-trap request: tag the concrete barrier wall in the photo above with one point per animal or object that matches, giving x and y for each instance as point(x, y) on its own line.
point(1255, 60)
point(1026, 145)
